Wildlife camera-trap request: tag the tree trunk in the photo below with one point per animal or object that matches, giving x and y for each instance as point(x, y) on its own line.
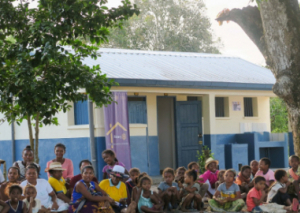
point(276, 32)
point(31, 140)
point(36, 148)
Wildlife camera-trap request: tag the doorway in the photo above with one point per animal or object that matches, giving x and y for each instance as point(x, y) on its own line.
point(166, 131)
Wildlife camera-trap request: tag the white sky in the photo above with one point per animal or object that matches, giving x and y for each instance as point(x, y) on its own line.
point(235, 41)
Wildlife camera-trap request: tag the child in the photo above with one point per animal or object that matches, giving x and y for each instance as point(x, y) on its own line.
point(243, 180)
point(228, 196)
point(57, 181)
point(115, 188)
point(168, 190)
point(220, 178)
point(294, 177)
point(211, 175)
point(190, 192)
point(131, 183)
point(179, 177)
point(147, 198)
point(110, 159)
point(256, 195)
point(15, 204)
point(13, 176)
point(32, 204)
point(28, 158)
point(265, 171)
point(194, 166)
point(254, 168)
point(278, 191)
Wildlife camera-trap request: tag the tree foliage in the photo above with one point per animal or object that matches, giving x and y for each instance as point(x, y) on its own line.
point(41, 54)
point(167, 25)
point(279, 115)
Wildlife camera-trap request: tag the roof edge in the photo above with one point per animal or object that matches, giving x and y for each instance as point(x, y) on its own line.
point(192, 84)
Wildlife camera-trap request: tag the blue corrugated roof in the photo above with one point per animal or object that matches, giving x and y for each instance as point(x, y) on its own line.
point(178, 69)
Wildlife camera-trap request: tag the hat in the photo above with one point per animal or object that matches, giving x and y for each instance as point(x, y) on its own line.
point(2, 161)
point(118, 171)
point(55, 166)
point(209, 161)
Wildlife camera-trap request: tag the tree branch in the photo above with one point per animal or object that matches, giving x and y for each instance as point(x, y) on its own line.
point(250, 21)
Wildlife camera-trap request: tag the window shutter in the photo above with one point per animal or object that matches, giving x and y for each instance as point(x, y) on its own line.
point(248, 107)
point(220, 107)
point(81, 115)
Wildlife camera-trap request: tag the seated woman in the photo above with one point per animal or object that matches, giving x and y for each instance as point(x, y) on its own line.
point(115, 188)
point(28, 158)
point(88, 197)
point(57, 182)
point(44, 190)
point(67, 164)
point(13, 176)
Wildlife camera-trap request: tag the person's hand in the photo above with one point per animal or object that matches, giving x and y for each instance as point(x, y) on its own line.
point(201, 179)
point(123, 201)
point(111, 201)
point(263, 193)
point(68, 180)
point(54, 206)
point(180, 185)
point(31, 200)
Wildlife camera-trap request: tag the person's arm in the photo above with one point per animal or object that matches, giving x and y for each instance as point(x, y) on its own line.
point(216, 196)
point(284, 189)
point(63, 197)
point(98, 189)
point(237, 196)
point(80, 188)
point(24, 210)
point(271, 182)
point(257, 201)
point(47, 166)
point(5, 207)
point(190, 189)
point(53, 199)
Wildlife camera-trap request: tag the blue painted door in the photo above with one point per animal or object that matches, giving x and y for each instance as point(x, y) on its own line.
point(188, 131)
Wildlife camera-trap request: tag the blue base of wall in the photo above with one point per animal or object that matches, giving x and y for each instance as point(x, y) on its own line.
point(144, 153)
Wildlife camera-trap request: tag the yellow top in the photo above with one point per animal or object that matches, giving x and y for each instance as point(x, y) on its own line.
point(59, 186)
point(117, 192)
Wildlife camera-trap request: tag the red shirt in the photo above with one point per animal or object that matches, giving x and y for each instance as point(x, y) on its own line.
point(253, 193)
point(77, 178)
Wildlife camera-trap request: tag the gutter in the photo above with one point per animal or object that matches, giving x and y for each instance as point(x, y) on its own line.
point(13, 147)
point(92, 135)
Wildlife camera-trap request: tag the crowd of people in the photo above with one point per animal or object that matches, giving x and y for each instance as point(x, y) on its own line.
point(256, 188)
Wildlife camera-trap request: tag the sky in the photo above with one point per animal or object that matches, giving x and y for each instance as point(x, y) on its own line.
point(235, 41)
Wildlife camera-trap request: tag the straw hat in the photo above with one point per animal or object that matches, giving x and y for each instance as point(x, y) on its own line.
point(2, 161)
point(209, 161)
point(55, 166)
point(118, 171)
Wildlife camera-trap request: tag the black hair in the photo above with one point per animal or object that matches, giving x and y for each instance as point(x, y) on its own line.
point(27, 148)
point(220, 172)
point(111, 153)
point(84, 161)
point(13, 187)
point(279, 173)
point(143, 179)
point(143, 174)
point(33, 166)
point(134, 170)
point(294, 157)
point(232, 171)
point(61, 146)
point(16, 168)
point(258, 179)
point(180, 168)
point(244, 168)
point(87, 167)
point(192, 173)
point(191, 164)
point(267, 161)
point(168, 170)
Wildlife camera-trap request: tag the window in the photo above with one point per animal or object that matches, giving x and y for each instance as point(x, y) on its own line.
point(250, 107)
point(81, 115)
point(137, 110)
point(221, 107)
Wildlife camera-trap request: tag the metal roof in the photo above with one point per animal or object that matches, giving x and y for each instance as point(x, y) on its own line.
point(179, 69)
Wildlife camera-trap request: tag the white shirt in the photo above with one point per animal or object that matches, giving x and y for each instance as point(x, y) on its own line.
point(37, 207)
point(43, 189)
point(274, 190)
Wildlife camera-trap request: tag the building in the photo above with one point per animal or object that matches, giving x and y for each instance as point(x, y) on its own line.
point(176, 101)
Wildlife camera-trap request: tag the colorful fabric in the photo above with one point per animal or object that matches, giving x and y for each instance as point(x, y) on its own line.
point(210, 176)
point(293, 175)
point(77, 195)
point(67, 165)
point(77, 178)
point(93, 207)
point(144, 202)
point(269, 176)
point(117, 192)
point(19, 208)
point(164, 186)
point(37, 206)
point(59, 186)
point(230, 192)
point(230, 206)
point(241, 179)
point(253, 193)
